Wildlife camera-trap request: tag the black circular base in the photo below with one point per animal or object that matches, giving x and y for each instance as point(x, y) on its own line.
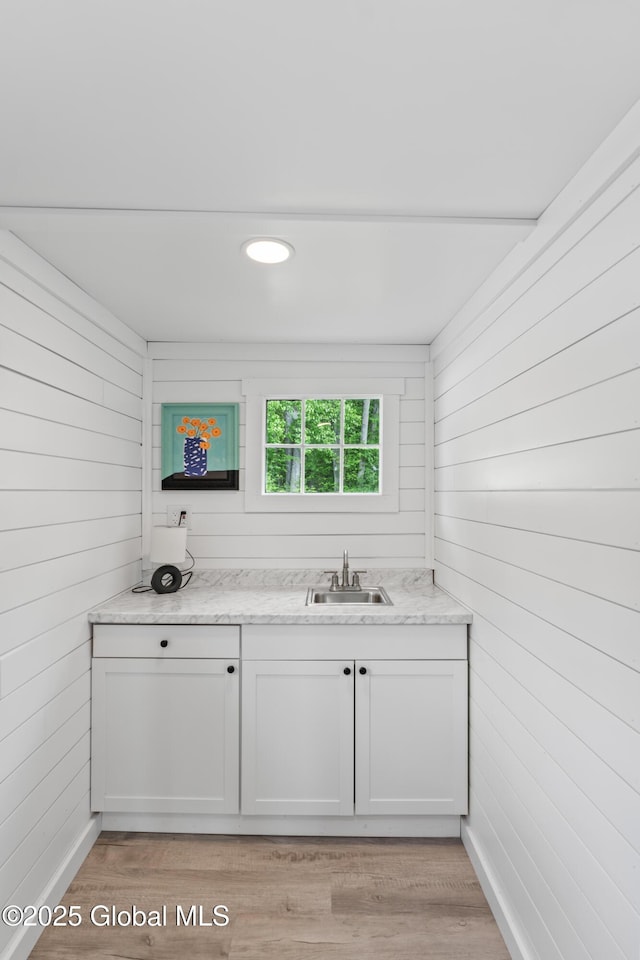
point(166, 579)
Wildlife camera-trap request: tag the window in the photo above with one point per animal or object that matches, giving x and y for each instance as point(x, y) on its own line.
point(322, 445)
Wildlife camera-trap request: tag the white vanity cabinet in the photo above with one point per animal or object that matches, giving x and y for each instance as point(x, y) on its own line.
point(165, 719)
point(411, 737)
point(362, 719)
point(297, 737)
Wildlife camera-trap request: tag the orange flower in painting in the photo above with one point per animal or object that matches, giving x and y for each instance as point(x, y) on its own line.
point(202, 430)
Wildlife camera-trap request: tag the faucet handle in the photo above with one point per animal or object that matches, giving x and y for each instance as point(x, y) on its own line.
point(356, 578)
point(334, 579)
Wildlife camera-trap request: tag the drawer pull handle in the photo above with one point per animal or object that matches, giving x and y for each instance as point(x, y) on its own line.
point(164, 643)
point(347, 671)
point(362, 670)
point(231, 669)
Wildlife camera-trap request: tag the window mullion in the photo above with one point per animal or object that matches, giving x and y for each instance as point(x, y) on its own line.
point(303, 445)
point(341, 449)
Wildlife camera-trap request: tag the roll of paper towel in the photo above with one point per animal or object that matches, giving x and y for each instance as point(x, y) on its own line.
point(168, 544)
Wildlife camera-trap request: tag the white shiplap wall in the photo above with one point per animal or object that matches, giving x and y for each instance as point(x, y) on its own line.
point(70, 518)
point(223, 534)
point(537, 503)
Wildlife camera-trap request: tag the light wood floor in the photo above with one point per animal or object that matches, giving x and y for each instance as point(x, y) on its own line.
point(288, 898)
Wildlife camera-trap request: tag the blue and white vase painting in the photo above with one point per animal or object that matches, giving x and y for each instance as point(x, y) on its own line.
point(195, 457)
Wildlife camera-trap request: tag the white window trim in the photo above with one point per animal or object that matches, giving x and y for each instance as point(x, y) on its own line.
point(258, 391)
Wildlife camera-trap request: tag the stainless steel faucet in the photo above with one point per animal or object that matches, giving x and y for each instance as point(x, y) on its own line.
point(345, 585)
point(345, 568)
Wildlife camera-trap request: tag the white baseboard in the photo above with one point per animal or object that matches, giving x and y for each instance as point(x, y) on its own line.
point(237, 824)
point(491, 889)
point(25, 940)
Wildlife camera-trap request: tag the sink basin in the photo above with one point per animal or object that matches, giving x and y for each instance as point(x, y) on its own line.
point(366, 595)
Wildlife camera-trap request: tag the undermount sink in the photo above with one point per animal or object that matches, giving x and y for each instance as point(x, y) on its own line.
point(366, 595)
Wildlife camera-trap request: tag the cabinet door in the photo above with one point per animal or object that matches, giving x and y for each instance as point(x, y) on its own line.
point(297, 737)
point(411, 737)
point(165, 735)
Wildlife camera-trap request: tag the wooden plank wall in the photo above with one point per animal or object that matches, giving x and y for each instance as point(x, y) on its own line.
point(537, 522)
point(223, 534)
point(70, 502)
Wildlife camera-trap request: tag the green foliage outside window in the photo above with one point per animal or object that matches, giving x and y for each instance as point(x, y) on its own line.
point(340, 452)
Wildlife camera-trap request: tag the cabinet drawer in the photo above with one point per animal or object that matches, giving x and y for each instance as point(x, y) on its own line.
point(434, 641)
point(165, 640)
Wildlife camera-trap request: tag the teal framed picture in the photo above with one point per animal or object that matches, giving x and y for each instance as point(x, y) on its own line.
point(200, 446)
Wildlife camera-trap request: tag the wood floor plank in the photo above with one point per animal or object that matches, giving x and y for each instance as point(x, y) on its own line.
point(287, 898)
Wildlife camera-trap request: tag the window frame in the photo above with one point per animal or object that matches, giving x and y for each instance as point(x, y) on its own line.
point(340, 445)
point(257, 392)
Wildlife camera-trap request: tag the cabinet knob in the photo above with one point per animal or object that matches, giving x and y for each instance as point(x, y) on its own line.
point(362, 670)
point(231, 669)
point(347, 671)
point(164, 643)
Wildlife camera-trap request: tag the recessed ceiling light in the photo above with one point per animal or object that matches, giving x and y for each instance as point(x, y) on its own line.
point(268, 251)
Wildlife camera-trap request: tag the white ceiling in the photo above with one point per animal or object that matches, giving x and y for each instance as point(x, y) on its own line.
point(402, 146)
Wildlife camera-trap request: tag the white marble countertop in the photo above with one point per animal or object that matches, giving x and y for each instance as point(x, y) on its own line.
point(278, 596)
